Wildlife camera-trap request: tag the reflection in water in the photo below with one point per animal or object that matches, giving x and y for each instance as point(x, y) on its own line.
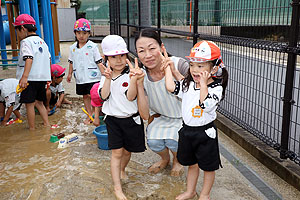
point(33, 168)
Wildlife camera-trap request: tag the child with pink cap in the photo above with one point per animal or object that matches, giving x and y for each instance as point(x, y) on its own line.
point(84, 62)
point(201, 91)
point(96, 102)
point(33, 70)
point(55, 93)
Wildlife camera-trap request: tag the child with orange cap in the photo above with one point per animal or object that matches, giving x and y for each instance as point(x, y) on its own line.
point(55, 93)
point(201, 91)
point(33, 70)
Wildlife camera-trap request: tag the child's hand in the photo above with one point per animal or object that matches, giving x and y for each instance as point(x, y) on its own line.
point(140, 79)
point(135, 71)
point(58, 104)
point(166, 61)
point(69, 77)
point(203, 78)
point(108, 72)
point(96, 121)
point(23, 82)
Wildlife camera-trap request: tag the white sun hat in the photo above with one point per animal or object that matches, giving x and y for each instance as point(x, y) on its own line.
point(113, 45)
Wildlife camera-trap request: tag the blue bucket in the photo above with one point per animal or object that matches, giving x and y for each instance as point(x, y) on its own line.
point(102, 137)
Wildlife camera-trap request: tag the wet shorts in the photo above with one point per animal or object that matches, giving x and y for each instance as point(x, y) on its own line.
point(199, 145)
point(126, 133)
point(158, 145)
point(83, 89)
point(34, 91)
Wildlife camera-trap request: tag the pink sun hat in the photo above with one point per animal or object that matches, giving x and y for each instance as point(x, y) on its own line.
point(24, 19)
point(82, 25)
point(57, 70)
point(96, 101)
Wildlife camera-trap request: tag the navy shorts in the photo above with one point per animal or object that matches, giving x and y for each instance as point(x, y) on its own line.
point(35, 91)
point(126, 133)
point(199, 145)
point(83, 89)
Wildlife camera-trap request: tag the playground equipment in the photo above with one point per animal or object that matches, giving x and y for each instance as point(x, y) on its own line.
point(48, 12)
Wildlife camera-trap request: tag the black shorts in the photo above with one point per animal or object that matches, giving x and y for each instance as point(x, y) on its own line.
point(35, 91)
point(83, 89)
point(195, 146)
point(126, 133)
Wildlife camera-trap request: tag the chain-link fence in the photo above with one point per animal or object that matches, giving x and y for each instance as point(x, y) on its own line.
point(260, 46)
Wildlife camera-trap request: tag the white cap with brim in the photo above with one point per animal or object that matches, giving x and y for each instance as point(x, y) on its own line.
point(113, 45)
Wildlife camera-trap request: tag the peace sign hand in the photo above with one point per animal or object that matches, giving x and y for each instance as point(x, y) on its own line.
point(166, 61)
point(108, 72)
point(135, 71)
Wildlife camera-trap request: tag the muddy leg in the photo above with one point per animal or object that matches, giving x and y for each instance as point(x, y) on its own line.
point(124, 161)
point(191, 182)
point(115, 165)
point(177, 168)
point(208, 181)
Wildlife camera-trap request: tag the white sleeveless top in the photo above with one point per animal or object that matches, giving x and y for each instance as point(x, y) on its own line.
point(84, 62)
point(36, 48)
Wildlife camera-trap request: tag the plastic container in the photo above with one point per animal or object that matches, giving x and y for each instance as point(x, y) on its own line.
point(64, 142)
point(102, 137)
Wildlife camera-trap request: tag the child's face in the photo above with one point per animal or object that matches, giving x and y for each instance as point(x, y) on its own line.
point(21, 33)
point(117, 62)
point(197, 68)
point(149, 52)
point(57, 80)
point(82, 36)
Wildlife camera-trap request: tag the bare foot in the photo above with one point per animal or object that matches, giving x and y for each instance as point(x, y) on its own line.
point(204, 197)
point(48, 109)
point(119, 194)
point(158, 166)
point(186, 195)
point(177, 169)
point(66, 101)
point(124, 175)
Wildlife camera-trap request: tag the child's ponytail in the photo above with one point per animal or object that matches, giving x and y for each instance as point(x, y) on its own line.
point(224, 81)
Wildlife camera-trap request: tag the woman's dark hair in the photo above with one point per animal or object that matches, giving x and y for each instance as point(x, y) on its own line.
point(29, 27)
point(224, 77)
point(149, 33)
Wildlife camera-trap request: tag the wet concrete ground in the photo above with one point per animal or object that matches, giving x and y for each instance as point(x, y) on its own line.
point(33, 168)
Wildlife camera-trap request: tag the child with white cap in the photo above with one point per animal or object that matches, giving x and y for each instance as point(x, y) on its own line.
point(33, 70)
point(9, 100)
point(121, 90)
point(56, 92)
point(201, 91)
point(84, 62)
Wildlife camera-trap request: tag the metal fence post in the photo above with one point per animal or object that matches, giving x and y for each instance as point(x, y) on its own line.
point(289, 80)
point(158, 17)
point(196, 10)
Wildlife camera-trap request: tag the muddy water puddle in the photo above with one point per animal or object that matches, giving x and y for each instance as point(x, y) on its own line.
point(33, 168)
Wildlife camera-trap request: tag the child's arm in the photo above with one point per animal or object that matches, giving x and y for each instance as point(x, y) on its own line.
point(27, 68)
point(204, 76)
point(105, 90)
point(142, 99)
point(134, 72)
point(7, 115)
point(69, 77)
point(60, 99)
point(170, 84)
point(96, 119)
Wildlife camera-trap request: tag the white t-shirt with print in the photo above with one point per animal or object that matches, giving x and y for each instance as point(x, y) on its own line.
point(35, 48)
point(57, 89)
point(8, 93)
point(194, 113)
point(117, 104)
point(84, 62)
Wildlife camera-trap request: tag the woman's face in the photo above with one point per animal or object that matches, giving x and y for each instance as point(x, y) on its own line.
point(149, 52)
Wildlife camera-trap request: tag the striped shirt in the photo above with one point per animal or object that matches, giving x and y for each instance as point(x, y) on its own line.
point(166, 104)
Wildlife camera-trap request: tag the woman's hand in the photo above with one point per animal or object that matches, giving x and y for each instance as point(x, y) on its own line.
point(166, 61)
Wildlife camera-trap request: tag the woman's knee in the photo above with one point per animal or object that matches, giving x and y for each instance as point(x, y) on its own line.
point(156, 145)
